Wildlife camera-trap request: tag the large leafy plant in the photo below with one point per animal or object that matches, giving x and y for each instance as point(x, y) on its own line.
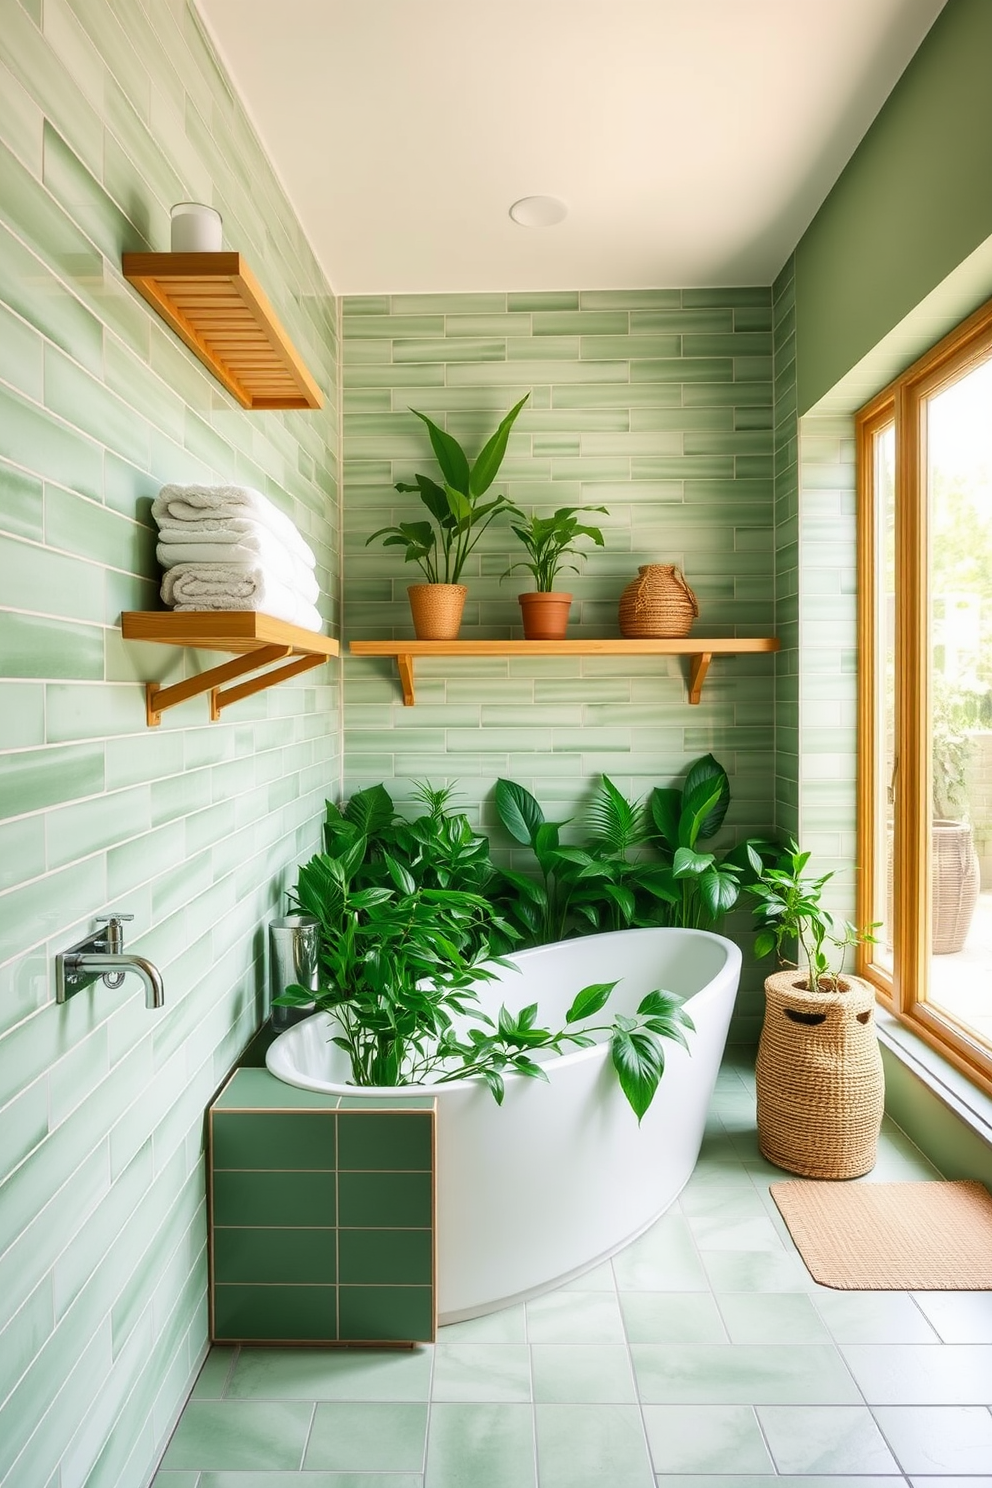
point(459, 516)
point(790, 912)
point(705, 884)
point(597, 885)
point(398, 971)
point(550, 540)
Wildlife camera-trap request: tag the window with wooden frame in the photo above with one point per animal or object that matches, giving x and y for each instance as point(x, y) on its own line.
point(925, 694)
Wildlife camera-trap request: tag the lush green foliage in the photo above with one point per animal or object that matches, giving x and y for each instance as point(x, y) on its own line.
point(704, 884)
point(399, 965)
point(550, 540)
point(595, 886)
point(790, 912)
point(459, 516)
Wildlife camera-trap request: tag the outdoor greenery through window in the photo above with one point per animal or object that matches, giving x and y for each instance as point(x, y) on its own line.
point(925, 819)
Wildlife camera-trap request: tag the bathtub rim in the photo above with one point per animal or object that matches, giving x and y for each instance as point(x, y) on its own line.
point(730, 968)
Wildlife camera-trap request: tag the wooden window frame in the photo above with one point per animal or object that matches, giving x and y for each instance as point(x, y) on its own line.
point(903, 403)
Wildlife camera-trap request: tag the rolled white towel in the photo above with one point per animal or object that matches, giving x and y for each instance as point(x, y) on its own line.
point(270, 554)
point(236, 586)
point(221, 505)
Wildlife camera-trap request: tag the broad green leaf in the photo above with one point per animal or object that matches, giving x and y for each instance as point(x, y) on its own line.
point(458, 505)
point(448, 453)
point(719, 891)
point(518, 811)
point(525, 1066)
point(709, 770)
point(369, 898)
point(764, 943)
point(689, 864)
point(433, 497)
point(666, 807)
point(524, 885)
point(639, 1061)
point(697, 808)
point(490, 457)
point(402, 877)
point(622, 898)
point(495, 1083)
point(589, 1001)
point(370, 810)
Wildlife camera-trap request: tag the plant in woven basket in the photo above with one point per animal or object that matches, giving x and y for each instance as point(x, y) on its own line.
point(440, 547)
point(790, 912)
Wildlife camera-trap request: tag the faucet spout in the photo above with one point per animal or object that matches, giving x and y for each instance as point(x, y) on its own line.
point(99, 963)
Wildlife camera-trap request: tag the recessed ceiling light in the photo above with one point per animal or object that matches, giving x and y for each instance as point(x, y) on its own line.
point(538, 211)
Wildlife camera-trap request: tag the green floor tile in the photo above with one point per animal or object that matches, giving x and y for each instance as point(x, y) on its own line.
point(785, 1317)
point(742, 1374)
point(705, 1438)
point(825, 1438)
point(585, 1446)
point(574, 1317)
point(240, 1435)
point(331, 1374)
point(480, 1446)
point(672, 1317)
point(572, 1373)
point(509, 1325)
point(368, 1437)
point(486, 1372)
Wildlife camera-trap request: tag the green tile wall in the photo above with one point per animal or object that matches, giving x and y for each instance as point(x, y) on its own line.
point(786, 555)
point(656, 404)
point(322, 1217)
point(109, 112)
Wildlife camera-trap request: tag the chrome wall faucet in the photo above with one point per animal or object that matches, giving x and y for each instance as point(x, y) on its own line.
point(102, 955)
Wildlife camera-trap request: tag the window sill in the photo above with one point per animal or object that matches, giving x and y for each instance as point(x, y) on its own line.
point(941, 1078)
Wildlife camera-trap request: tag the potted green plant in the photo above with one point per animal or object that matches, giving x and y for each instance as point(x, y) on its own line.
point(818, 1071)
point(549, 541)
point(458, 517)
point(398, 968)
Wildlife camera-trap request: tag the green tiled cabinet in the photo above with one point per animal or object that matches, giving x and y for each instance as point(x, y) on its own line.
point(321, 1216)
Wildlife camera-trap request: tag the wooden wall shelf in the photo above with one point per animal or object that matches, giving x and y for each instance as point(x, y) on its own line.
point(700, 653)
point(257, 641)
point(215, 304)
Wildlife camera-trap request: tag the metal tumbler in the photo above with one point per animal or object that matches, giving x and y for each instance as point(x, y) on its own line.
point(293, 955)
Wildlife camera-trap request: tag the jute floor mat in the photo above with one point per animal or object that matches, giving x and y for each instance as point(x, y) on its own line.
point(913, 1237)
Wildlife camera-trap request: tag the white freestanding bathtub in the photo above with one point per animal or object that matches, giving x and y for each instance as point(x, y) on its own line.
point(533, 1192)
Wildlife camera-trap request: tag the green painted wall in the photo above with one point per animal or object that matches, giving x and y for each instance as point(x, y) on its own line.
point(655, 404)
point(910, 205)
point(109, 112)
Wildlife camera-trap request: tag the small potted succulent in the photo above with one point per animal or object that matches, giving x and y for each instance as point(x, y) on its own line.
point(819, 1071)
point(549, 541)
point(440, 547)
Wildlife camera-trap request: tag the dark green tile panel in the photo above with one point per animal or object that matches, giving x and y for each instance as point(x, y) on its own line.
point(385, 1199)
point(257, 1090)
point(274, 1313)
point(399, 1141)
point(382, 1314)
point(394, 1257)
point(274, 1139)
point(275, 1255)
point(273, 1198)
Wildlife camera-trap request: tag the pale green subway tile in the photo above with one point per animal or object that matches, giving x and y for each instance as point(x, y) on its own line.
point(728, 490)
point(575, 689)
point(530, 349)
point(733, 295)
point(559, 444)
point(25, 1334)
point(753, 418)
point(640, 445)
point(680, 322)
point(366, 353)
point(682, 467)
point(360, 472)
point(77, 190)
point(591, 468)
point(680, 370)
point(629, 348)
point(754, 467)
point(499, 719)
point(644, 420)
point(75, 396)
point(34, 578)
point(204, 442)
point(752, 369)
point(38, 910)
point(21, 503)
point(737, 394)
point(22, 716)
point(20, 356)
point(448, 352)
point(21, 121)
point(629, 299)
point(77, 1074)
point(175, 887)
point(369, 327)
point(376, 741)
point(30, 438)
point(753, 318)
point(23, 1124)
point(144, 857)
point(555, 373)
point(492, 401)
point(580, 323)
point(548, 421)
point(22, 851)
point(147, 162)
point(179, 795)
point(131, 380)
point(30, 57)
point(495, 324)
point(87, 827)
point(635, 493)
point(90, 531)
point(742, 442)
point(543, 300)
point(414, 376)
point(35, 646)
point(736, 344)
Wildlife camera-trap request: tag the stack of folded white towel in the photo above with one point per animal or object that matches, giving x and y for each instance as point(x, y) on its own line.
point(229, 548)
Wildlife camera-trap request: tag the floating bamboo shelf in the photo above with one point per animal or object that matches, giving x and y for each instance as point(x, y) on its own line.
point(700, 653)
point(215, 304)
point(257, 641)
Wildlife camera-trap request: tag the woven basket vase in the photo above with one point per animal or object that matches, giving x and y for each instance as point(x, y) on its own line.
point(657, 604)
point(819, 1078)
point(437, 610)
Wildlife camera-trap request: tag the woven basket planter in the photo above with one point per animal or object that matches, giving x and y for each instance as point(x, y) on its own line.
point(955, 879)
point(437, 610)
point(819, 1078)
point(657, 604)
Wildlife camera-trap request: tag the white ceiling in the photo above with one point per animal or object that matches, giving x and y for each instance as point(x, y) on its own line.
point(693, 140)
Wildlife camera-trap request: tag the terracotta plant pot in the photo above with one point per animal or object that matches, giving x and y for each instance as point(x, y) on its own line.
point(437, 610)
point(819, 1078)
point(545, 615)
